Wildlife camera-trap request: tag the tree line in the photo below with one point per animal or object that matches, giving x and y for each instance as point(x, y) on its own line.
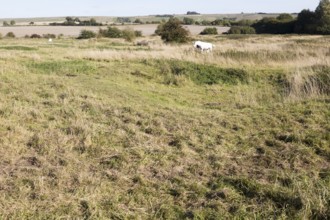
point(307, 22)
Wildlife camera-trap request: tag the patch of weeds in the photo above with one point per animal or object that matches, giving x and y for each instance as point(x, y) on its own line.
point(170, 212)
point(85, 209)
point(70, 68)
point(36, 143)
point(283, 199)
point(113, 162)
point(199, 73)
point(287, 138)
point(21, 48)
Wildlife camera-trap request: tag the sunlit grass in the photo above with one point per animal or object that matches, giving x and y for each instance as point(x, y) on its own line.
point(102, 129)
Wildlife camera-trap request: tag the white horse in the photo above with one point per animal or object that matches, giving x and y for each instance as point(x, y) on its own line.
point(203, 46)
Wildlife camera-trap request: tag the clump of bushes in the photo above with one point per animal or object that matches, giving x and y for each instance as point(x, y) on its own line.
point(114, 32)
point(209, 31)
point(241, 30)
point(49, 36)
point(86, 34)
point(35, 36)
point(128, 34)
point(10, 35)
point(172, 31)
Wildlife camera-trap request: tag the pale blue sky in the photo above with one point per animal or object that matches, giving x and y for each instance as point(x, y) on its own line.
point(52, 8)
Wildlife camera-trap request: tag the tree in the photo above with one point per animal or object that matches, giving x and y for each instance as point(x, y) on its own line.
point(322, 14)
point(5, 23)
point(192, 13)
point(172, 31)
point(12, 22)
point(306, 22)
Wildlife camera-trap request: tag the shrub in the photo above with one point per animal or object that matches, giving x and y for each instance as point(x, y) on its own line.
point(86, 34)
point(274, 26)
point(284, 17)
point(49, 36)
point(0, 36)
point(10, 35)
point(241, 30)
point(138, 21)
point(128, 34)
point(138, 33)
point(172, 31)
point(188, 21)
point(35, 36)
point(111, 32)
point(209, 31)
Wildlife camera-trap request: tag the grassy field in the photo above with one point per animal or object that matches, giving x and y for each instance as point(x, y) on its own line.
point(104, 129)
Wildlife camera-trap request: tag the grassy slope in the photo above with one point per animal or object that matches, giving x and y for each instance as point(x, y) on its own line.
point(113, 133)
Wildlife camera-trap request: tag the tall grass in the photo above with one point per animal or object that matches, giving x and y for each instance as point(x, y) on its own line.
point(107, 131)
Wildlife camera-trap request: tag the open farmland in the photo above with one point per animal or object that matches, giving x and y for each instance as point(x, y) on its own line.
point(104, 129)
point(147, 30)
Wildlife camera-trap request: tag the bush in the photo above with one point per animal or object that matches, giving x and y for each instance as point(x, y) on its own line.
point(10, 35)
point(188, 21)
point(111, 32)
point(0, 36)
point(284, 17)
point(172, 31)
point(128, 34)
point(49, 36)
point(138, 21)
point(241, 30)
point(274, 26)
point(209, 31)
point(86, 34)
point(35, 36)
point(138, 33)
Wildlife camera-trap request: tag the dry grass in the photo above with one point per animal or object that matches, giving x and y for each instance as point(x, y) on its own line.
point(104, 129)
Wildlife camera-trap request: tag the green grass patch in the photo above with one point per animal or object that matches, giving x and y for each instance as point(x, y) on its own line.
point(199, 73)
point(70, 68)
point(20, 48)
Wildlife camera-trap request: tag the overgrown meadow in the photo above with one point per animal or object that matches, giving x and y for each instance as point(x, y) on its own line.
point(105, 129)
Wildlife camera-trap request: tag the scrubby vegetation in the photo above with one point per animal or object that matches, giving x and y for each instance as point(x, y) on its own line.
point(104, 129)
point(241, 30)
point(86, 34)
point(172, 31)
point(70, 21)
point(209, 31)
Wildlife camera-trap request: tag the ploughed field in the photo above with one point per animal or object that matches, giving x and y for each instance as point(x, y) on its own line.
point(146, 29)
point(102, 128)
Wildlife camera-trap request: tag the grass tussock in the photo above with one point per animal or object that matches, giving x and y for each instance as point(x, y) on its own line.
point(107, 131)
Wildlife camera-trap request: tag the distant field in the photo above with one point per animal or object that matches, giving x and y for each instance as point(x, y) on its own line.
point(150, 18)
point(106, 129)
point(147, 30)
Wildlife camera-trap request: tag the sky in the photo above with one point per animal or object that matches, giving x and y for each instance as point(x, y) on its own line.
point(59, 8)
